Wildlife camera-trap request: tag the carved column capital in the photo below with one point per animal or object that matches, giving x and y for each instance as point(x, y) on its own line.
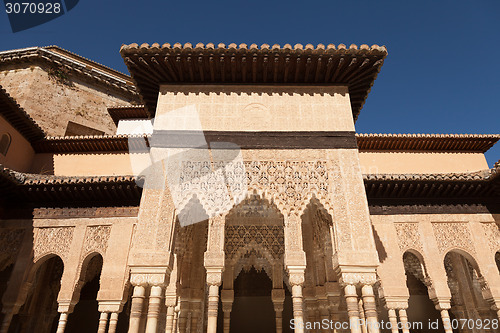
point(396, 302)
point(170, 300)
point(442, 303)
point(214, 276)
point(296, 275)
point(149, 276)
point(357, 278)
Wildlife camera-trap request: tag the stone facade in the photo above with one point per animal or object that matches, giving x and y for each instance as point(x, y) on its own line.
point(288, 228)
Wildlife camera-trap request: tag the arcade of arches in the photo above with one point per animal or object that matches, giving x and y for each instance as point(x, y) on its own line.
point(301, 225)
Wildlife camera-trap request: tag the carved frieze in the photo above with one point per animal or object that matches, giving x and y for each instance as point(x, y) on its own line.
point(492, 233)
point(96, 239)
point(287, 183)
point(453, 235)
point(74, 212)
point(10, 243)
point(56, 240)
point(408, 236)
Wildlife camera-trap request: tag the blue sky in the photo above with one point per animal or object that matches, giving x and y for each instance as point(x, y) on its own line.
point(441, 74)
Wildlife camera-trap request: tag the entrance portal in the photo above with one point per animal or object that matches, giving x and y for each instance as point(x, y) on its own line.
point(253, 309)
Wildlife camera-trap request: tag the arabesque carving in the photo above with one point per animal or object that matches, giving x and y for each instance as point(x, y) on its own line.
point(287, 183)
point(10, 243)
point(96, 239)
point(492, 232)
point(408, 236)
point(453, 235)
point(56, 240)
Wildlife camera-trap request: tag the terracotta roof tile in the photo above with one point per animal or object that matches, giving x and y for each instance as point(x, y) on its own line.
point(152, 65)
point(427, 142)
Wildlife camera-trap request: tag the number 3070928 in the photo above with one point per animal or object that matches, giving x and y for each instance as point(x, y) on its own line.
point(32, 8)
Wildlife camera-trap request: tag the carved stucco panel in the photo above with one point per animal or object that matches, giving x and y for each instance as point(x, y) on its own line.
point(55, 240)
point(492, 233)
point(453, 235)
point(10, 243)
point(408, 236)
point(96, 239)
point(288, 183)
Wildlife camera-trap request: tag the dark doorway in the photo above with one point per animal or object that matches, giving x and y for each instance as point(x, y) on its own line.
point(39, 312)
point(253, 309)
point(85, 317)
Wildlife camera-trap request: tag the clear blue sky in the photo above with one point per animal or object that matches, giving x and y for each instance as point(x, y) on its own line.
point(441, 74)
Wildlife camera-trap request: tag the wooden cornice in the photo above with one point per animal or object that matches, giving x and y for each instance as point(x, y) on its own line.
point(151, 66)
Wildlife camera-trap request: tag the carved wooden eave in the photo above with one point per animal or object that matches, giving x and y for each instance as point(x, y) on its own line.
point(128, 112)
point(42, 189)
point(78, 65)
point(17, 187)
point(18, 118)
point(466, 143)
point(97, 143)
point(463, 143)
point(483, 184)
point(158, 64)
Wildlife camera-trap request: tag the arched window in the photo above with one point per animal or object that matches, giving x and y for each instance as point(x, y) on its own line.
point(4, 143)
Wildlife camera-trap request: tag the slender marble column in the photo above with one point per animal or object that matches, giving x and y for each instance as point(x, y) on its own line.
point(103, 322)
point(362, 320)
point(136, 309)
point(154, 309)
point(6, 321)
point(351, 297)
point(278, 298)
point(227, 298)
point(63, 319)
point(183, 314)
point(226, 308)
point(169, 324)
point(113, 321)
point(403, 317)
point(175, 328)
point(370, 309)
point(445, 317)
point(195, 315)
point(393, 319)
point(213, 307)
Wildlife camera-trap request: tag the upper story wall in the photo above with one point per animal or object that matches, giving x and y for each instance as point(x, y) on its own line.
point(53, 99)
point(257, 108)
point(20, 153)
point(421, 162)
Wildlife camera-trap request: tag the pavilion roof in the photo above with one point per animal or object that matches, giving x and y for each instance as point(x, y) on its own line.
point(356, 67)
point(75, 63)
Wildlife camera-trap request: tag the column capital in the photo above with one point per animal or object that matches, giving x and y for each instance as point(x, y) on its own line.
point(65, 306)
point(110, 306)
point(442, 303)
point(170, 300)
point(357, 278)
point(396, 302)
point(296, 275)
point(149, 276)
point(214, 276)
point(278, 295)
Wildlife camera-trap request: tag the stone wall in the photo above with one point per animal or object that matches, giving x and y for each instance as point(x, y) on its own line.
point(53, 100)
